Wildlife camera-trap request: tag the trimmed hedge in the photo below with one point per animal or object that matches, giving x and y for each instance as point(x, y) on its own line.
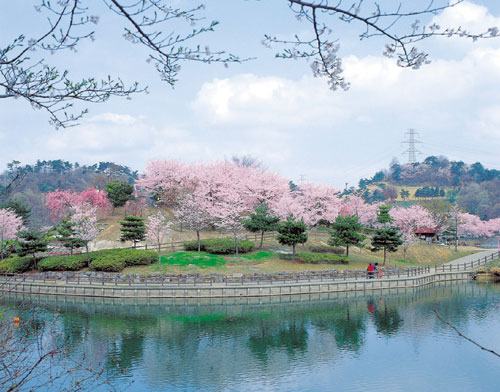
point(317, 258)
point(220, 246)
point(100, 260)
point(326, 249)
point(16, 265)
point(63, 263)
point(109, 263)
point(114, 260)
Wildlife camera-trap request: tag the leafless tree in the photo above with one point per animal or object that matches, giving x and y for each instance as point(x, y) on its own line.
point(166, 32)
point(25, 73)
point(398, 23)
point(35, 356)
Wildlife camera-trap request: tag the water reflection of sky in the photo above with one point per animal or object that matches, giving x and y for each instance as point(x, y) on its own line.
point(368, 342)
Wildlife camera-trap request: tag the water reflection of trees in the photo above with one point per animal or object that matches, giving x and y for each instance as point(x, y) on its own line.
point(216, 342)
point(292, 338)
point(387, 319)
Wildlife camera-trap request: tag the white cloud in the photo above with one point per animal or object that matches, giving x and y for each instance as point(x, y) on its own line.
point(472, 17)
point(322, 130)
point(486, 125)
point(113, 118)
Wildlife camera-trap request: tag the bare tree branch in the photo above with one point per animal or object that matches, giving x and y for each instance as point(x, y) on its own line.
point(463, 336)
point(402, 29)
point(26, 74)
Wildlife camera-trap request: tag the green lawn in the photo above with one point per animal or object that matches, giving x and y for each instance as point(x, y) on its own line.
point(266, 261)
point(199, 259)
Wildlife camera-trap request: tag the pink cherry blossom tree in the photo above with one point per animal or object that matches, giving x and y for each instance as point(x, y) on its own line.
point(10, 225)
point(95, 198)
point(166, 179)
point(192, 213)
point(157, 228)
point(355, 205)
point(85, 224)
point(230, 214)
point(408, 220)
point(137, 207)
point(310, 203)
point(60, 202)
point(411, 218)
point(221, 193)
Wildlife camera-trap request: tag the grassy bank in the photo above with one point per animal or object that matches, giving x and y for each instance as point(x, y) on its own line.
point(268, 261)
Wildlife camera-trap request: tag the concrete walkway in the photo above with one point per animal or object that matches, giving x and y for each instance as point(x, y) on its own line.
point(473, 257)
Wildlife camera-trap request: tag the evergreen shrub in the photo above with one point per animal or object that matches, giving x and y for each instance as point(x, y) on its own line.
point(108, 263)
point(220, 246)
point(326, 249)
point(128, 257)
point(16, 265)
point(63, 263)
point(317, 258)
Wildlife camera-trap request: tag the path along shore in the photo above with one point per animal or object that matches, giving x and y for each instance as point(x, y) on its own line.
point(102, 286)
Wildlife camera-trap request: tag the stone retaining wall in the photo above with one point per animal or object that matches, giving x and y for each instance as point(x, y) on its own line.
point(228, 290)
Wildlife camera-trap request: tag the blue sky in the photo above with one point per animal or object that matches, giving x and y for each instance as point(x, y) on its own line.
point(269, 108)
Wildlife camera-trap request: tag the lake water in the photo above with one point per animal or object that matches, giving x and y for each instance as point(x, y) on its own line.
point(367, 341)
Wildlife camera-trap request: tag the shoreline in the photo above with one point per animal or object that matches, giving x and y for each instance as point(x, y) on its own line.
point(231, 290)
point(238, 287)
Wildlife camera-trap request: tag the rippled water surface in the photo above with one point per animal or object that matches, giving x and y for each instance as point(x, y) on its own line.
point(372, 341)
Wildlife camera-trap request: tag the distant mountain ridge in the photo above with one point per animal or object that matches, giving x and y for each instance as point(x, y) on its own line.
point(29, 183)
point(474, 187)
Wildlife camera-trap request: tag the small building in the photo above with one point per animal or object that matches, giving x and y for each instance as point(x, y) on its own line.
point(427, 234)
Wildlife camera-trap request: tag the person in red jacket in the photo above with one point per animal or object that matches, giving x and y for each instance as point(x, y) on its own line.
point(370, 271)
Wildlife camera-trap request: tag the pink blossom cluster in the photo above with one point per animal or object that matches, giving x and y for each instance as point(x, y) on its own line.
point(469, 224)
point(156, 227)
point(10, 225)
point(409, 219)
point(59, 202)
point(221, 193)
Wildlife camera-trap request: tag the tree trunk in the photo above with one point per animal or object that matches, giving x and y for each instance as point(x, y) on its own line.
point(385, 251)
point(261, 240)
point(404, 253)
point(236, 244)
point(159, 257)
point(199, 241)
point(293, 252)
point(347, 251)
point(88, 256)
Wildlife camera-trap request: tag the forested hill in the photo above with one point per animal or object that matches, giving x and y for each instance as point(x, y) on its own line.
point(472, 186)
point(29, 183)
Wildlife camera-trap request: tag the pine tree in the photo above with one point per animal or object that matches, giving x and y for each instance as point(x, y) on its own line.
point(383, 215)
point(388, 239)
point(261, 221)
point(345, 232)
point(119, 192)
point(133, 229)
point(66, 233)
point(292, 233)
point(31, 243)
